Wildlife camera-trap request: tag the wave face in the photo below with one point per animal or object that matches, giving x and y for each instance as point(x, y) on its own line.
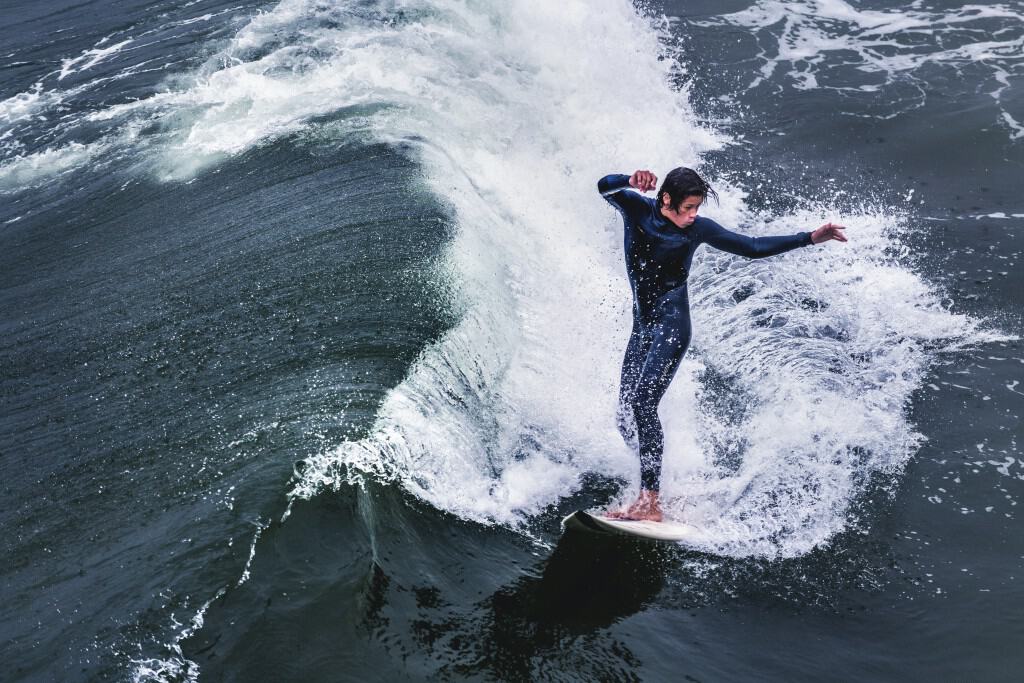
point(792, 400)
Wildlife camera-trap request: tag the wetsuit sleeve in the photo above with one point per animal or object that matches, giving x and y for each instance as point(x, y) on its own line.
point(752, 247)
point(617, 192)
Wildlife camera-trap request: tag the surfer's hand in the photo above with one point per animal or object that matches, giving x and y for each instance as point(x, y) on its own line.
point(829, 231)
point(643, 180)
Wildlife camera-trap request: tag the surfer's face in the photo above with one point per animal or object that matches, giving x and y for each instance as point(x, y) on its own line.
point(686, 212)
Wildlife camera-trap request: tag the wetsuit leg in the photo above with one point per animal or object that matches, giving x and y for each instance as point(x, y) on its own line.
point(670, 337)
point(639, 346)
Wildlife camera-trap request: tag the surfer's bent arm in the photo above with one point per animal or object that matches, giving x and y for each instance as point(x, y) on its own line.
point(617, 191)
point(751, 247)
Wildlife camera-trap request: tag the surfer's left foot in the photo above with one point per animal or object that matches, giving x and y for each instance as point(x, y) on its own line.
point(645, 508)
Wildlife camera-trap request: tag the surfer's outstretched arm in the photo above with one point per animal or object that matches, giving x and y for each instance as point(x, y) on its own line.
point(760, 247)
point(751, 247)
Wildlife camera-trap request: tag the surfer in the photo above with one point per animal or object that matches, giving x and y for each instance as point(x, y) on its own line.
point(661, 236)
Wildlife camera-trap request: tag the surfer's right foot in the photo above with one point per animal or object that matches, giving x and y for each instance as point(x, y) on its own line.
point(645, 508)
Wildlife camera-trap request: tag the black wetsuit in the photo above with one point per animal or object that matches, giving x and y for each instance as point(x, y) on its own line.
point(658, 256)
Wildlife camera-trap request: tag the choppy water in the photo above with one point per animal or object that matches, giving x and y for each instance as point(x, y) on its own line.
point(313, 318)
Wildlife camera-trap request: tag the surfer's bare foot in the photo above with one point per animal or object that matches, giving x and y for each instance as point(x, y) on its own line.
point(646, 508)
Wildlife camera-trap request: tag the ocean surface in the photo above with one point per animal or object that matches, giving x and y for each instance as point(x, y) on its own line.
point(312, 319)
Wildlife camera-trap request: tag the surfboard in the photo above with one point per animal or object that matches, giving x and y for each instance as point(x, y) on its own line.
point(657, 531)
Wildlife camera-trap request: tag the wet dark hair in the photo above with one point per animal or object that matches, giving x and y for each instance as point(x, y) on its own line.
point(681, 183)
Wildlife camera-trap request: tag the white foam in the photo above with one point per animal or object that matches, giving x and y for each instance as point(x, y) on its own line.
point(1016, 128)
point(90, 58)
point(827, 347)
point(24, 113)
point(26, 171)
point(23, 105)
point(814, 37)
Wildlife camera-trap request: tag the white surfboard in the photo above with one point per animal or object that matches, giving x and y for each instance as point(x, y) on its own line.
point(658, 531)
